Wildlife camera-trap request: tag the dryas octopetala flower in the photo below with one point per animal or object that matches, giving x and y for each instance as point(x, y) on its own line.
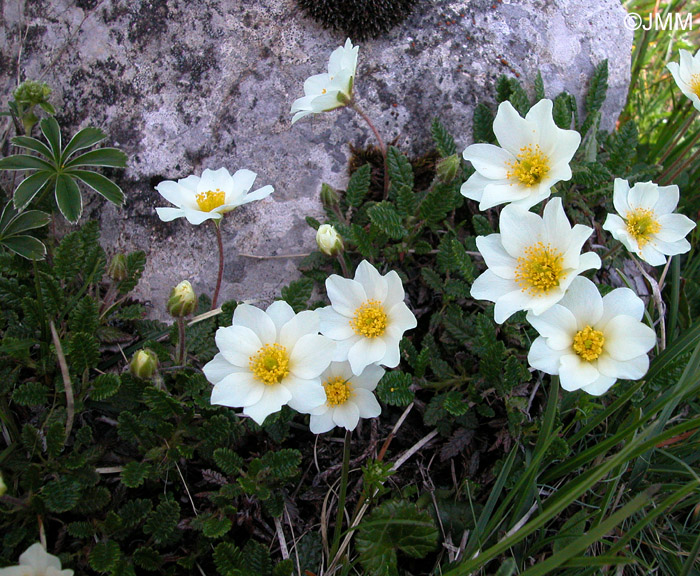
point(35, 561)
point(367, 317)
point(328, 240)
point(324, 92)
point(209, 197)
point(646, 225)
point(687, 75)
point(144, 364)
point(590, 341)
point(349, 397)
point(532, 261)
point(268, 359)
point(182, 300)
point(534, 155)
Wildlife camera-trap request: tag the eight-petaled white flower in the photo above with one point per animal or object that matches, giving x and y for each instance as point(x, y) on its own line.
point(367, 317)
point(209, 197)
point(268, 359)
point(646, 225)
point(331, 90)
point(534, 155)
point(35, 561)
point(687, 75)
point(590, 341)
point(532, 261)
point(349, 397)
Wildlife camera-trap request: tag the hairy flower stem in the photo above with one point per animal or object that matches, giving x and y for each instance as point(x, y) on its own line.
point(677, 138)
point(181, 345)
point(341, 497)
point(658, 301)
point(670, 173)
point(220, 243)
point(382, 146)
point(343, 265)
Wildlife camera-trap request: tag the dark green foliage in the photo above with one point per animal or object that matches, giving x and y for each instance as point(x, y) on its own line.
point(444, 142)
point(104, 556)
point(562, 111)
point(358, 186)
point(597, 89)
point(482, 124)
point(297, 294)
point(393, 388)
point(162, 521)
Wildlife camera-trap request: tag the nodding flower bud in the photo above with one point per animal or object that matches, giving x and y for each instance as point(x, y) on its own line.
point(144, 364)
point(182, 301)
point(449, 168)
point(329, 196)
point(31, 92)
point(3, 486)
point(117, 269)
point(328, 240)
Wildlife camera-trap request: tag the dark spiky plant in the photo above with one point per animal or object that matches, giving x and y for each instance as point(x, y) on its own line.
point(359, 19)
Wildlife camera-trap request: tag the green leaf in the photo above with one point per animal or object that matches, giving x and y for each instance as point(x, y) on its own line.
point(256, 559)
point(55, 438)
point(135, 473)
point(539, 87)
point(84, 351)
point(34, 145)
point(215, 527)
point(112, 157)
point(61, 495)
point(482, 124)
point(84, 317)
point(401, 178)
point(104, 556)
point(29, 220)
point(444, 142)
point(52, 133)
point(135, 264)
point(298, 292)
point(228, 559)
point(481, 224)
point(518, 97)
point(394, 526)
point(84, 139)
point(385, 217)
point(596, 94)
point(162, 522)
point(24, 162)
point(315, 224)
point(561, 111)
point(393, 388)
point(26, 246)
point(29, 187)
point(100, 184)
point(105, 386)
point(148, 559)
point(30, 394)
point(68, 198)
point(228, 460)
point(358, 186)
point(503, 88)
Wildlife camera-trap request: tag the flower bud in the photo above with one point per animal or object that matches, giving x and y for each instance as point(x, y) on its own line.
point(31, 92)
point(448, 168)
point(144, 364)
point(328, 240)
point(3, 486)
point(117, 269)
point(182, 301)
point(329, 196)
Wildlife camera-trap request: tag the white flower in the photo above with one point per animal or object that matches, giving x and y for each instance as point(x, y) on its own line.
point(35, 561)
point(534, 155)
point(646, 226)
point(687, 75)
point(591, 341)
point(324, 92)
point(209, 197)
point(367, 317)
point(532, 261)
point(268, 359)
point(328, 240)
point(349, 397)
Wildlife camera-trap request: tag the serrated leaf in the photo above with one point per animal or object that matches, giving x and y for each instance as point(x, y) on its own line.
point(68, 198)
point(85, 316)
point(444, 142)
point(518, 98)
point(228, 460)
point(358, 186)
point(215, 527)
point(162, 522)
point(256, 559)
point(503, 88)
point(401, 179)
point(84, 351)
point(228, 559)
point(597, 89)
point(432, 279)
point(135, 473)
point(394, 526)
point(297, 293)
point(454, 403)
point(104, 556)
point(148, 559)
point(386, 219)
point(438, 203)
point(394, 388)
point(539, 87)
point(135, 265)
point(30, 394)
point(482, 124)
point(55, 438)
point(481, 225)
point(561, 111)
point(61, 495)
point(315, 224)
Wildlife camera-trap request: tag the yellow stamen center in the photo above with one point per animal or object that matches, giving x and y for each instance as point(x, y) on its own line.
point(641, 224)
point(695, 84)
point(588, 343)
point(540, 269)
point(270, 364)
point(210, 199)
point(337, 391)
point(530, 168)
point(323, 91)
point(369, 320)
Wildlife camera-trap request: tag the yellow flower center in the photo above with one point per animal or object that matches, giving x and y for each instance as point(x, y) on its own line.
point(323, 91)
point(695, 84)
point(588, 343)
point(641, 224)
point(530, 168)
point(539, 270)
point(369, 320)
point(337, 391)
point(270, 364)
point(210, 199)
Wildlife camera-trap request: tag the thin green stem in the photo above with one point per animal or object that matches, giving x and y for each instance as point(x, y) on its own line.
point(382, 145)
point(341, 497)
point(675, 297)
point(670, 173)
point(220, 244)
point(181, 344)
point(677, 139)
point(343, 265)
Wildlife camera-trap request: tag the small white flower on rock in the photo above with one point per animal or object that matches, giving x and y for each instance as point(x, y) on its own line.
point(534, 155)
point(687, 75)
point(590, 341)
point(646, 225)
point(348, 397)
point(35, 561)
point(268, 359)
point(367, 317)
point(532, 261)
point(324, 92)
point(209, 197)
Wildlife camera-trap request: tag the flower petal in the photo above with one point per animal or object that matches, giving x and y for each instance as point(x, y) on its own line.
point(372, 281)
point(238, 390)
point(306, 394)
point(311, 355)
point(584, 301)
point(520, 229)
point(366, 403)
point(557, 325)
point(512, 130)
point(674, 227)
point(542, 357)
point(237, 344)
point(621, 301)
point(627, 338)
point(171, 191)
point(304, 323)
point(632, 369)
point(345, 295)
point(323, 422)
point(364, 352)
point(256, 320)
point(369, 378)
point(490, 161)
point(600, 386)
point(334, 325)
point(643, 195)
point(497, 259)
point(169, 214)
point(272, 400)
point(575, 373)
point(346, 415)
point(280, 313)
point(218, 368)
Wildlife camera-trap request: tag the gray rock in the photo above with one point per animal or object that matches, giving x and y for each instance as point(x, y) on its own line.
point(183, 86)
